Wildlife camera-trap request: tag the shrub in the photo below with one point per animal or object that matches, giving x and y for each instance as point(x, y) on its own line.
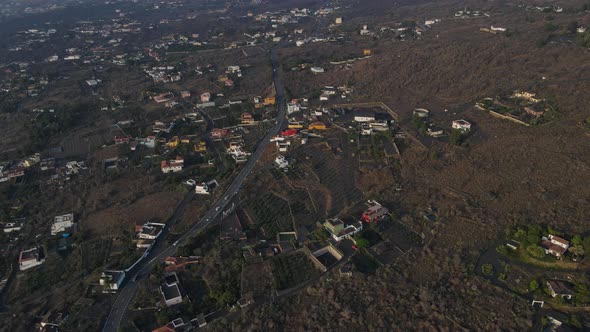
point(535, 251)
point(487, 269)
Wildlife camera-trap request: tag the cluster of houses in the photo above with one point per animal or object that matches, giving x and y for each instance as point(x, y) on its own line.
point(163, 74)
point(337, 229)
point(62, 226)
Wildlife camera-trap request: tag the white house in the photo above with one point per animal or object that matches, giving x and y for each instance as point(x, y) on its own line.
point(202, 189)
point(172, 166)
point(31, 258)
point(364, 116)
point(364, 31)
point(62, 223)
point(336, 228)
point(150, 231)
point(111, 280)
point(170, 290)
point(317, 70)
point(499, 29)
point(281, 162)
point(461, 125)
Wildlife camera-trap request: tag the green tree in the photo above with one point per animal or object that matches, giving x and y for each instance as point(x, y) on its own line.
point(535, 251)
point(577, 250)
point(533, 285)
point(418, 124)
point(456, 137)
point(361, 242)
point(577, 240)
point(502, 249)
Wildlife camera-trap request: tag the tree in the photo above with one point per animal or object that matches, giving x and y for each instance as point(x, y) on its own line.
point(456, 137)
point(361, 242)
point(419, 124)
point(534, 285)
point(586, 244)
point(487, 269)
point(577, 240)
point(535, 251)
point(577, 250)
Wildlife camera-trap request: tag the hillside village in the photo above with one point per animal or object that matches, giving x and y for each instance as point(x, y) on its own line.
point(176, 166)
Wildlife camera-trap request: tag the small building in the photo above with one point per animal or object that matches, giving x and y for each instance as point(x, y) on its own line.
point(172, 166)
point(111, 280)
point(364, 31)
point(202, 189)
point(281, 162)
point(185, 94)
point(461, 125)
point(201, 320)
point(31, 258)
point(317, 126)
point(317, 70)
point(205, 97)
point(14, 226)
point(150, 231)
point(62, 223)
point(176, 325)
point(534, 112)
point(513, 244)
point(170, 289)
point(338, 20)
point(336, 228)
point(163, 97)
point(554, 245)
point(364, 116)
point(247, 118)
point(421, 113)
point(270, 100)
point(367, 52)
point(218, 132)
point(559, 288)
point(375, 212)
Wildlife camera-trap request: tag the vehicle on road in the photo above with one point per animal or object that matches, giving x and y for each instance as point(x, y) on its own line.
point(217, 209)
point(175, 243)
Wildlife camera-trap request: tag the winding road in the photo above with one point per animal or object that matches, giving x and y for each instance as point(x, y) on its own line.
point(160, 251)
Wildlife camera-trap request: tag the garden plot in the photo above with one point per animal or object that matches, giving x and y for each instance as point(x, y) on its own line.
point(292, 270)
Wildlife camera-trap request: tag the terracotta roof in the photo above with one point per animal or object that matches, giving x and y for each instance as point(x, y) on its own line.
point(553, 247)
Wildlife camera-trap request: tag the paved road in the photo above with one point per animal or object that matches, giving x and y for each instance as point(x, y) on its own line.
point(160, 250)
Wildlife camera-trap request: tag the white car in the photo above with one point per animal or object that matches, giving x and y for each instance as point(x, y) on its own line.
point(190, 182)
point(218, 208)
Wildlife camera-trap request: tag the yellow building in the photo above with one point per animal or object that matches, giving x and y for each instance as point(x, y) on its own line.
point(173, 142)
point(295, 125)
point(317, 126)
point(270, 100)
point(201, 147)
point(367, 52)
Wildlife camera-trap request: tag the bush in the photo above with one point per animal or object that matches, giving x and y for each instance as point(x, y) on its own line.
point(456, 137)
point(550, 27)
point(535, 251)
point(487, 269)
point(533, 285)
point(502, 249)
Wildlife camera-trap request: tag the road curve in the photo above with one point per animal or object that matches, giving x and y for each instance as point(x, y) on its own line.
point(160, 251)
